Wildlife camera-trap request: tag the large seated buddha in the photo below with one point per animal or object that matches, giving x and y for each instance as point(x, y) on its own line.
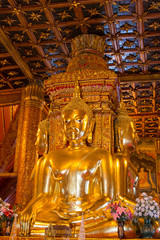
point(74, 180)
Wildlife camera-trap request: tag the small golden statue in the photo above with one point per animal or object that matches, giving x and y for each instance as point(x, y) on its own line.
point(75, 180)
point(42, 147)
point(126, 134)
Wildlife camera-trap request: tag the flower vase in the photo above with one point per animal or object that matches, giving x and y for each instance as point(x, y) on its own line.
point(121, 230)
point(8, 227)
point(148, 230)
point(1, 229)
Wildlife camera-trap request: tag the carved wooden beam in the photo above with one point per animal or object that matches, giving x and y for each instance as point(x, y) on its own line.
point(8, 175)
point(15, 54)
point(139, 78)
point(140, 29)
point(10, 97)
point(144, 115)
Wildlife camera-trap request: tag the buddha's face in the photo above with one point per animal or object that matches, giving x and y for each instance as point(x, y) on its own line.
point(75, 124)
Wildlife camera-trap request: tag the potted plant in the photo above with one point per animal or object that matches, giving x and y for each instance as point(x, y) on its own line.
point(146, 209)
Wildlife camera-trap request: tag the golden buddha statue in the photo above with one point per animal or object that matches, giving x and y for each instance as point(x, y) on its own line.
point(125, 131)
point(143, 179)
point(75, 180)
point(41, 144)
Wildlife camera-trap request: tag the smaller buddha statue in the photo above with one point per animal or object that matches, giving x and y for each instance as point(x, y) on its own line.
point(42, 137)
point(143, 179)
point(125, 131)
point(42, 145)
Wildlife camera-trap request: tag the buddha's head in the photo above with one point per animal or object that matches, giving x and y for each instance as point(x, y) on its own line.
point(42, 137)
point(126, 130)
point(77, 118)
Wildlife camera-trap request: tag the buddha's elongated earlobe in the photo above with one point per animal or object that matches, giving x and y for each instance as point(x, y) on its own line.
point(64, 139)
point(89, 137)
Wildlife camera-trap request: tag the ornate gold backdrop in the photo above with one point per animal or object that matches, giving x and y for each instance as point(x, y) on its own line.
point(99, 88)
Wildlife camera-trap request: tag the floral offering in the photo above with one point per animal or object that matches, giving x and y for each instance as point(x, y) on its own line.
point(118, 211)
point(7, 211)
point(146, 207)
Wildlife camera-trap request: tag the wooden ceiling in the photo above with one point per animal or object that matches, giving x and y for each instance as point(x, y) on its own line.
point(35, 42)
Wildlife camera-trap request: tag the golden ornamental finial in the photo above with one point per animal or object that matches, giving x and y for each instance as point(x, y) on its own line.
point(88, 42)
point(76, 92)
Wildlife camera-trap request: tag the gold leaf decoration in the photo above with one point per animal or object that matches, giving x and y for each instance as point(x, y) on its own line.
point(28, 52)
point(143, 51)
point(4, 62)
point(9, 20)
point(124, 8)
point(131, 57)
point(93, 12)
point(35, 44)
point(64, 15)
point(52, 50)
point(140, 17)
point(17, 10)
point(45, 6)
point(154, 25)
point(35, 16)
point(128, 43)
point(156, 56)
point(44, 35)
point(156, 41)
point(110, 20)
point(1, 85)
point(133, 70)
point(59, 43)
point(76, 4)
point(106, 2)
point(82, 23)
point(44, 75)
point(54, 25)
point(4, 30)
point(12, 73)
point(155, 6)
point(99, 28)
point(67, 31)
point(126, 27)
point(27, 28)
point(18, 37)
point(17, 83)
point(37, 65)
point(157, 68)
point(59, 63)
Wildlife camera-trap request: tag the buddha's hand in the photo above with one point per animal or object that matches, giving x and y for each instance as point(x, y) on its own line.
point(24, 220)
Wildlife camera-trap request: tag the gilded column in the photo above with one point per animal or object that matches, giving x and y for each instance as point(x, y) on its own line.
point(31, 114)
point(158, 167)
point(55, 131)
point(20, 127)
